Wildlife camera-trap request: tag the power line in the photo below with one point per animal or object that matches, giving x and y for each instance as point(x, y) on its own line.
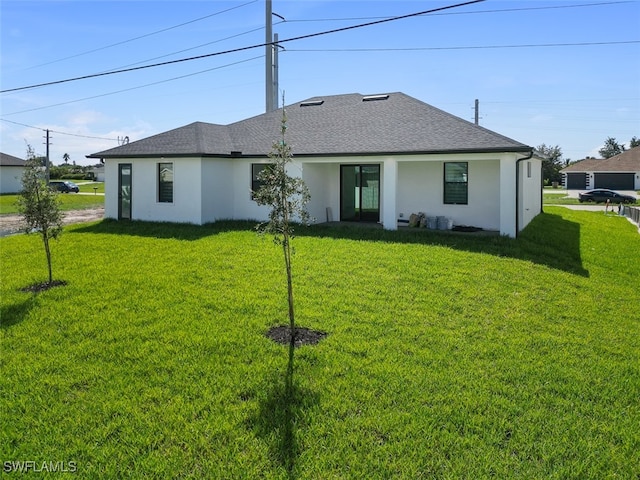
point(133, 88)
point(301, 37)
point(59, 133)
point(195, 47)
point(471, 13)
point(144, 36)
point(468, 47)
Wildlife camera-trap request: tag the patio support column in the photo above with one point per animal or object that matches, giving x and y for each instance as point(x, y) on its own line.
point(508, 196)
point(389, 193)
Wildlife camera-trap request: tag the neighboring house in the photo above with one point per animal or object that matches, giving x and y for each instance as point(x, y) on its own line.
point(11, 169)
point(621, 172)
point(375, 158)
point(98, 173)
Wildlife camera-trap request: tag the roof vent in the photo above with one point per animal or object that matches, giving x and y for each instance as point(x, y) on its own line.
point(312, 103)
point(373, 98)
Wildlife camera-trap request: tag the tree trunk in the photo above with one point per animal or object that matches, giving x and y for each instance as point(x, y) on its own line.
point(287, 261)
point(45, 239)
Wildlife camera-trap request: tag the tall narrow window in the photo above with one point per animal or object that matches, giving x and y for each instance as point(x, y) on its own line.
point(528, 169)
point(256, 168)
point(165, 182)
point(456, 183)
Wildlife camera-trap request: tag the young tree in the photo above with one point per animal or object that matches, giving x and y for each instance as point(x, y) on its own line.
point(39, 205)
point(287, 198)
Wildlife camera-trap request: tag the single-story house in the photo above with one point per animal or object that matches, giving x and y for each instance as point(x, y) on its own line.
point(98, 173)
point(11, 169)
point(620, 172)
point(367, 158)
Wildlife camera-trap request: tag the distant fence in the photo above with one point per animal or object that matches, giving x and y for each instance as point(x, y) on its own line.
point(633, 213)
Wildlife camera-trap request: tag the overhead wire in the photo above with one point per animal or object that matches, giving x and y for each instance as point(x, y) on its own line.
point(192, 48)
point(283, 20)
point(465, 47)
point(134, 88)
point(145, 35)
point(501, 10)
point(249, 47)
point(57, 132)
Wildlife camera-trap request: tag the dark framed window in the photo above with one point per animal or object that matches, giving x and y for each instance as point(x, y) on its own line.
point(456, 184)
point(165, 182)
point(256, 169)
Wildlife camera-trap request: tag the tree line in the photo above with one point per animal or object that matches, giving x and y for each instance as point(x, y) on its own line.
point(66, 170)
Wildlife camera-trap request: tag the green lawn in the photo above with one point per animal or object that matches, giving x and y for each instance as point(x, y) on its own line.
point(549, 198)
point(68, 201)
point(88, 187)
point(447, 356)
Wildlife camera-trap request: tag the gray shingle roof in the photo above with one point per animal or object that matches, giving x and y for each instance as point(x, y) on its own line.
point(628, 161)
point(7, 160)
point(333, 125)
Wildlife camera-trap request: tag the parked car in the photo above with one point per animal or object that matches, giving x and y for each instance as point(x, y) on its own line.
point(64, 187)
point(602, 195)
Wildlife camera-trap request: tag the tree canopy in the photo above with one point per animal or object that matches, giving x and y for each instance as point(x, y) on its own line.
point(611, 148)
point(552, 164)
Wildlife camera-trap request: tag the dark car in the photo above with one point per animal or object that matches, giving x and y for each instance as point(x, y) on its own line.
point(64, 187)
point(602, 195)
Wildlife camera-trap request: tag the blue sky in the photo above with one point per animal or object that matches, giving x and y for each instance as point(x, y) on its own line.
point(559, 72)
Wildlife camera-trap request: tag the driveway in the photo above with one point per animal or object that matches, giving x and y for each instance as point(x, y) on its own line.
point(11, 224)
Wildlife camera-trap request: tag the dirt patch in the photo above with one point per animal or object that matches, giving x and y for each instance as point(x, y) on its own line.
point(302, 336)
point(12, 224)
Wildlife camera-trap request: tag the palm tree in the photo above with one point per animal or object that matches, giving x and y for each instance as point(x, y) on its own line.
point(66, 158)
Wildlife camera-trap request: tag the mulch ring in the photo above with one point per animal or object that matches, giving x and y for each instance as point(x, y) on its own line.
point(302, 336)
point(41, 287)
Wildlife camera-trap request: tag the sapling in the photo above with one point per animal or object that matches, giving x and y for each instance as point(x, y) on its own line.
point(287, 198)
point(39, 205)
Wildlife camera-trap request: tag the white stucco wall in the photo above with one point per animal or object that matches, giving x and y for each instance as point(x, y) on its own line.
point(217, 189)
point(323, 181)
point(244, 207)
point(187, 197)
point(530, 176)
point(111, 188)
point(11, 179)
point(421, 189)
point(211, 189)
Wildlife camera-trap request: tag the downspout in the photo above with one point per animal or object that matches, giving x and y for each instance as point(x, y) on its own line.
point(518, 189)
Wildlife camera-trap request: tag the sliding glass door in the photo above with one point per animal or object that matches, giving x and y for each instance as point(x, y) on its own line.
point(359, 193)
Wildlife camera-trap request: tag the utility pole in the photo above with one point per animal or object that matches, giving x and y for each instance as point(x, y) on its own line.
point(268, 52)
point(47, 163)
point(477, 111)
point(274, 88)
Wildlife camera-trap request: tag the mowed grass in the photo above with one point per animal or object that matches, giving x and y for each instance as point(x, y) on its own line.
point(447, 356)
point(549, 198)
point(68, 201)
point(89, 187)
